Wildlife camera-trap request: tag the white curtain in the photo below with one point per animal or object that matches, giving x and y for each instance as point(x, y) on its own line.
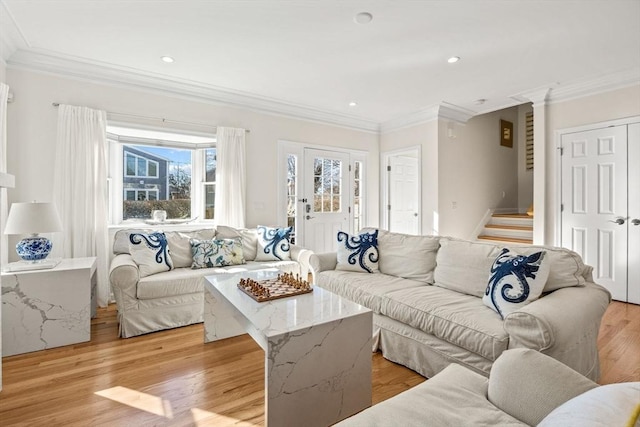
point(230, 177)
point(80, 188)
point(4, 241)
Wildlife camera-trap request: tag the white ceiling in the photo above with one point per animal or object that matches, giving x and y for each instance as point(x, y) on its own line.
point(311, 56)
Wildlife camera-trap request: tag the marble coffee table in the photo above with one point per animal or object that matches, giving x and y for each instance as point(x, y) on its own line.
point(317, 348)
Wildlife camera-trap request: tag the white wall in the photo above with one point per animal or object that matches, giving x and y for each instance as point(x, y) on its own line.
point(611, 105)
point(424, 135)
point(32, 124)
point(474, 171)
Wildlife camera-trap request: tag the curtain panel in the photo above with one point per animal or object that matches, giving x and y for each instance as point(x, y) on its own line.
point(80, 188)
point(4, 240)
point(230, 177)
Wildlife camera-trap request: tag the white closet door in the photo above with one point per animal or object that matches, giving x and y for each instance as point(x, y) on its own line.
point(633, 291)
point(594, 200)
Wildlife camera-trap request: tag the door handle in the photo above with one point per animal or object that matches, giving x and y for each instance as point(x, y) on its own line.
point(619, 220)
point(415, 214)
point(309, 217)
point(635, 221)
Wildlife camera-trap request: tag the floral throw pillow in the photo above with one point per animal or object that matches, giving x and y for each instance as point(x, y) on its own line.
point(358, 253)
point(216, 253)
point(150, 252)
point(515, 281)
point(273, 243)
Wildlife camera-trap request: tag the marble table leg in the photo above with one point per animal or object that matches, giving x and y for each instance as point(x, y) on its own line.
point(319, 375)
point(220, 318)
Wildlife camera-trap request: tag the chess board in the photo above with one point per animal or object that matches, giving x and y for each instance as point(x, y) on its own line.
point(285, 285)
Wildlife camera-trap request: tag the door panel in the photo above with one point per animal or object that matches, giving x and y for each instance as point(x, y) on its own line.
point(404, 197)
point(327, 190)
point(594, 196)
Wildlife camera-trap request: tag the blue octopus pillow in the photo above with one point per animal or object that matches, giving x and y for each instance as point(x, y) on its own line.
point(515, 281)
point(358, 253)
point(216, 253)
point(273, 243)
point(150, 252)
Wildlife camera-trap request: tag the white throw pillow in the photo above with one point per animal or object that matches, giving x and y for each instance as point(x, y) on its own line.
point(515, 281)
point(150, 252)
point(604, 406)
point(273, 243)
point(358, 253)
point(216, 253)
point(406, 256)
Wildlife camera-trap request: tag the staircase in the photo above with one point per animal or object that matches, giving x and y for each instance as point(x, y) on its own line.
point(510, 228)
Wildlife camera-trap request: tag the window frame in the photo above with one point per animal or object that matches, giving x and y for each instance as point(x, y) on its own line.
point(115, 160)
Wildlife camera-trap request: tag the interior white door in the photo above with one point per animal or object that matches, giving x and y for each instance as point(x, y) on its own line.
point(404, 195)
point(327, 190)
point(594, 203)
point(633, 289)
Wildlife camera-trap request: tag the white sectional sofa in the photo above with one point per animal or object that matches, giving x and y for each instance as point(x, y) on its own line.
point(175, 298)
point(428, 307)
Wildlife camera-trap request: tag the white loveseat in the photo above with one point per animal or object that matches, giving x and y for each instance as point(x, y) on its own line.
point(525, 388)
point(175, 298)
point(428, 308)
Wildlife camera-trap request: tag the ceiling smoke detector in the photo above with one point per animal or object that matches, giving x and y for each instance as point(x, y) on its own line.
point(453, 59)
point(167, 59)
point(363, 18)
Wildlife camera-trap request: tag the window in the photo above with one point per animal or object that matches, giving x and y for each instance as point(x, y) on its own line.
point(292, 194)
point(209, 183)
point(138, 166)
point(160, 170)
point(327, 174)
point(357, 196)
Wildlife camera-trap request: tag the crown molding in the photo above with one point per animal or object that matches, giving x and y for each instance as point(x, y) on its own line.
point(443, 111)
point(594, 86)
point(94, 71)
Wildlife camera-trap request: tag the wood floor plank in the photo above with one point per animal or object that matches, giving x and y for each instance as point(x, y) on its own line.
point(171, 378)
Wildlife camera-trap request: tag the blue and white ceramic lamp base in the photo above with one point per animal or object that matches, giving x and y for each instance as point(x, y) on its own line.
point(33, 248)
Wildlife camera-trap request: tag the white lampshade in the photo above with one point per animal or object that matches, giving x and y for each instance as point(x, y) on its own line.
point(32, 218)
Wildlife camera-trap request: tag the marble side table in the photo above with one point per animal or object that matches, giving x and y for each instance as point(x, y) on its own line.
point(317, 348)
point(48, 308)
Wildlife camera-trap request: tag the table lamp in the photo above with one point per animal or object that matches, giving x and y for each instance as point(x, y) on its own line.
point(33, 218)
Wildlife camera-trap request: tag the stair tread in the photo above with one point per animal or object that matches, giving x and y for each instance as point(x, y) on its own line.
point(510, 227)
point(513, 215)
point(505, 239)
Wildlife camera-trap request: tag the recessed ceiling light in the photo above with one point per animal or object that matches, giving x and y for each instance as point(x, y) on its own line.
point(167, 59)
point(453, 59)
point(353, 104)
point(363, 18)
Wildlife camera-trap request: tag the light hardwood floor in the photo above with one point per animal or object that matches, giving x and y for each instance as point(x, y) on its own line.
point(172, 378)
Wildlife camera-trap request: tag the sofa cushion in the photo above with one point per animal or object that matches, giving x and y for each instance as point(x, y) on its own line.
point(249, 238)
point(364, 289)
point(411, 257)
point(273, 243)
point(459, 319)
point(121, 239)
point(464, 266)
point(566, 267)
point(150, 252)
point(455, 396)
point(180, 246)
point(216, 253)
point(516, 280)
point(607, 405)
point(358, 253)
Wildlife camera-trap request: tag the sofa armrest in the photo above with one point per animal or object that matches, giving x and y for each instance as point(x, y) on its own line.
point(563, 324)
point(322, 262)
point(124, 276)
point(302, 256)
point(528, 385)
